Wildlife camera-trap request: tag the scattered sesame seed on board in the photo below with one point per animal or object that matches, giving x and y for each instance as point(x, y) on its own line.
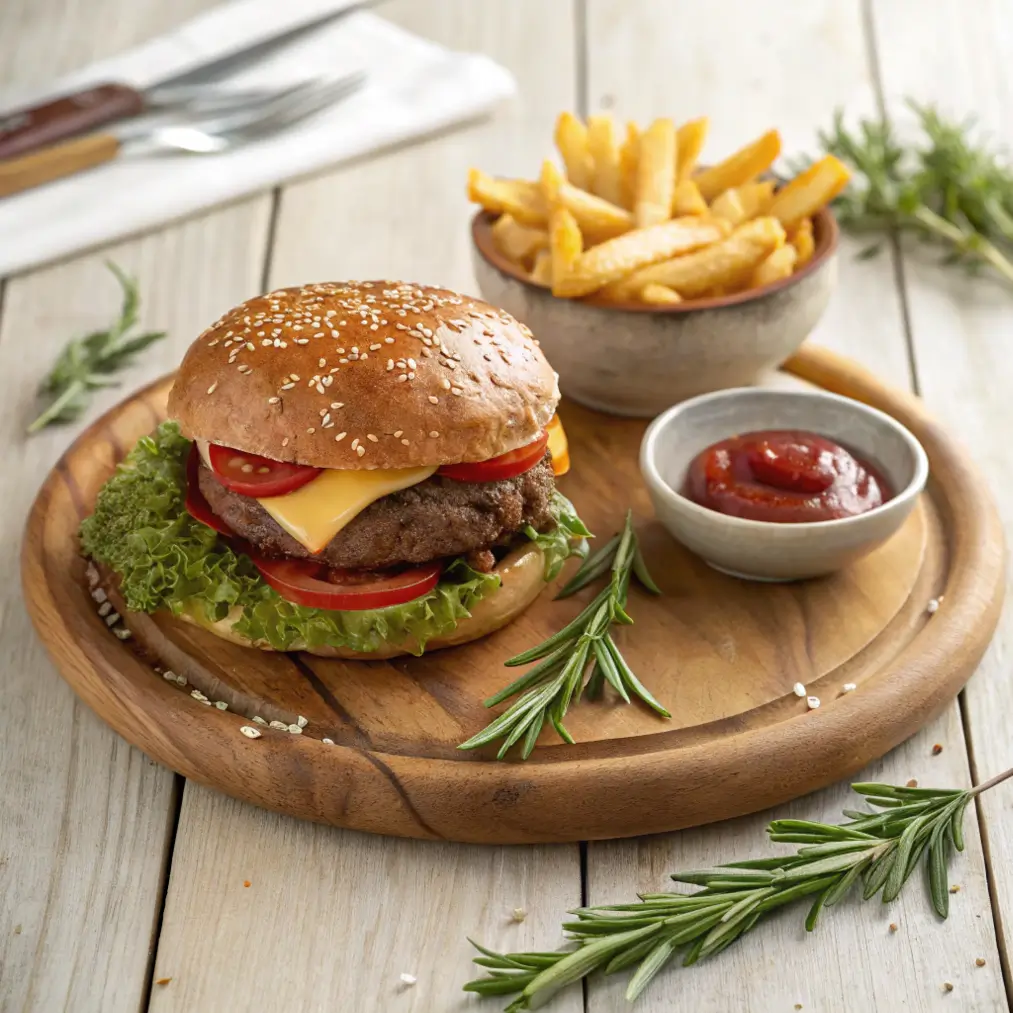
point(937, 749)
point(912, 783)
point(979, 962)
point(518, 914)
point(893, 926)
point(162, 981)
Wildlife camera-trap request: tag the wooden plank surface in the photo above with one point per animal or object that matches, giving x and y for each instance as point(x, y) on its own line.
point(649, 59)
point(961, 333)
point(89, 819)
point(333, 918)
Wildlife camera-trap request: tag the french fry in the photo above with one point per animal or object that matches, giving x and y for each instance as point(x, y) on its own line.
point(689, 142)
point(606, 180)
point(551, 181)
point(774, 266)
point(728, 205)
point(541, 272)
point(629, 159)
point(687, 199)
point(571, 139)
point(726, 264)
point(616, 258)
point(802, 240)
point(741, 167)
point(655, 174)
point(597, 218)
point(518, 242)
point(565, 244)
point(518, 197)
point(660, 295)
point(810, 190)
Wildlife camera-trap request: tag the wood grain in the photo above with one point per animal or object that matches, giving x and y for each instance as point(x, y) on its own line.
point(959, 332)
point(739, 648)
point(38, 167)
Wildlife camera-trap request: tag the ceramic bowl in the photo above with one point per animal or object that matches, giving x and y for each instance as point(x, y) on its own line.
point(762, 550)
point(636, 360)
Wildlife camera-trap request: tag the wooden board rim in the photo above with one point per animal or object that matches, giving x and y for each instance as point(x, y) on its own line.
point(648, 790)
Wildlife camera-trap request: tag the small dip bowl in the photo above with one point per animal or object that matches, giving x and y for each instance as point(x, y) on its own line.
point(764, 550)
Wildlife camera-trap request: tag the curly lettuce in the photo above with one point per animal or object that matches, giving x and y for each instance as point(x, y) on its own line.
point(167, 559)
point(568, 537)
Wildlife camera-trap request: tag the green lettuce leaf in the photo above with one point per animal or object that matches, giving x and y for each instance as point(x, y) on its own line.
point(166, 559)
point(567, 538)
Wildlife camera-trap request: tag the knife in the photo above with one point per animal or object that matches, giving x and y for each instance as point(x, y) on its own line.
point(60, 118)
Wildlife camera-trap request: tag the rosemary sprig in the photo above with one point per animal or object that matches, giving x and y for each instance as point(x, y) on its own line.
point(879, 849)
point(584, 647)
point(85, 363)
point(947, 190)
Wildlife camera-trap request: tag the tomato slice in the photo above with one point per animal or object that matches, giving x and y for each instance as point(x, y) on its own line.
point(196, 505)
point(558, 447)
point(313, 584)
point(251, 475)
point(508, 465)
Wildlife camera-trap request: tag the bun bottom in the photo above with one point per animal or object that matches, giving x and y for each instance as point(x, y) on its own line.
point(521, 574)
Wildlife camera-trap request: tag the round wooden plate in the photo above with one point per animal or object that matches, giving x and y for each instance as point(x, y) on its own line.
point(722, 654)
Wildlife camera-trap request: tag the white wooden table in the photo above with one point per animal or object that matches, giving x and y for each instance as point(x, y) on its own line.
point(114, 873)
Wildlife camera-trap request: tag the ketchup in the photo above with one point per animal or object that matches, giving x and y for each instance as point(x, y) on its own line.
point(785, 476)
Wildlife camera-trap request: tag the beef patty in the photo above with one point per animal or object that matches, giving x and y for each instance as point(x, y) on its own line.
point(436, 518)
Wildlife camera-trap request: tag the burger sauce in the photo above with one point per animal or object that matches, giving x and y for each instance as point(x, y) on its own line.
point(785, 476)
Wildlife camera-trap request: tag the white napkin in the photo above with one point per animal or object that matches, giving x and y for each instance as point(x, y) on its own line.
point(414, 88)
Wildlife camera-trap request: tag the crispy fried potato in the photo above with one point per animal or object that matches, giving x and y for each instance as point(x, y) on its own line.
point(519, 197)
point(565, 244)
point(660, 295)
point(689, 142)
point(741, 167)
point(726, 264)
point(802, 239)
point(740, 203)
point(687, 199)
point(606, 181)
point(597, 218)
point(612, 260)
point(655, 174)
point(551, 181)
point(518, 242)
point(774, 266)
point(571, 139)
point(629, 159)
point(541, 272)
point(728, 205)
point(810, 190)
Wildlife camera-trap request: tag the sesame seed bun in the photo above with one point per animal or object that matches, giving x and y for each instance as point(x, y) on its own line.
point(362, 375)
point(522, 579)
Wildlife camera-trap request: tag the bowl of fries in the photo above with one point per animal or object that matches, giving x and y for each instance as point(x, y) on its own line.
point(649, 278)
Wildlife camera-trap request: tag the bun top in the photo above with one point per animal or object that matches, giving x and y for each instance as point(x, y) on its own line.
point(363, 375)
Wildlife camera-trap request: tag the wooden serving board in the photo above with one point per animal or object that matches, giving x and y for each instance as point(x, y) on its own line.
point(722, 654)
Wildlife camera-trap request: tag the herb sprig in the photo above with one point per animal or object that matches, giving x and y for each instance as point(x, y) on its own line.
point(947, 189)
point(580, 658)
point(880, 850)
point(85, 364)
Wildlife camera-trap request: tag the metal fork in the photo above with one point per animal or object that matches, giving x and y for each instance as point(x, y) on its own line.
point(210, 134)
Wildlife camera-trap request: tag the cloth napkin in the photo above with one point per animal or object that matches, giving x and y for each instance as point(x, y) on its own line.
point(414, 87)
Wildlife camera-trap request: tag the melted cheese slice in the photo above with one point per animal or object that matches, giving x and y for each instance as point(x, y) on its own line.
point(314, 514)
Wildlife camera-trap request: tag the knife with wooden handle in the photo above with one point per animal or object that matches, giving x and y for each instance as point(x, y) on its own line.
point(34, 127)
point(38, 167)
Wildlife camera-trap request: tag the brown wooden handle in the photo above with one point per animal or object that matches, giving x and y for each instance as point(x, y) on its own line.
point(17, 174)
point(40, 126)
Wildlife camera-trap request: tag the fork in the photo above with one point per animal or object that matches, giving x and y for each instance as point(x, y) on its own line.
point(213, 133)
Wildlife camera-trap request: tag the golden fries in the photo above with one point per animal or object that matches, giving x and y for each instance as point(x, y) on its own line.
point(741, 167)
point(629, 159)
point(541, 272)
point(810, 190)
point(655, 174)
point(802, 240)
point(635, 219)
point(618, 257)
point(725, 264)
point(660, 295)
point(774, 266)
point(565, 244)
point(518, 242)
point(571, 139)
point(606, 181)
point(687, 199)
point(689, 142)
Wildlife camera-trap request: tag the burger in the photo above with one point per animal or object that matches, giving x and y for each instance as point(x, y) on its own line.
point(359, 469)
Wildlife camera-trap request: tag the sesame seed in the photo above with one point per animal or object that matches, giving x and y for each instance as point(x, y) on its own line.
point(388, 341)
point(372, 438)
point(434, 435)
point(295, 729)
point(411, 376)
point(284, 442)
point(798, 689)
point(456, 391)
point(259, 720)
point(321, 362)
point(267, 342)
point(933, 607)
point(402, 378)
point(221, 705)
point(273, 400)
point(355, 443)
point(337, 404)
point(405, 442)
point(411, 362)
point(849, 687)
point(311, 430)
point(287, 386)
point(329, 742)
point(340, 437)
point(360, 450)
point(812, 702)
point(398, 434)
point(433, 399)
point(279, 726)
point(250, 732)
point(374, 327)
point(446, 383)
point(375, 346)
point(293, 376)
point(213, 387)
